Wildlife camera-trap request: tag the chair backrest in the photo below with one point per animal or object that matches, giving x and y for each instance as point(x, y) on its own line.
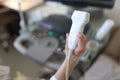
point(113, 47)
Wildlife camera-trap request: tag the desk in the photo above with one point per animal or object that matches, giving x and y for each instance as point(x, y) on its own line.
point(26, 4)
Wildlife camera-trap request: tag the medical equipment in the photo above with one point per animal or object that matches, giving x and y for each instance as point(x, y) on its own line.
point(92, 48)
point(50, 30)
point(79, 19)
point(104, 30)
point(22, 20)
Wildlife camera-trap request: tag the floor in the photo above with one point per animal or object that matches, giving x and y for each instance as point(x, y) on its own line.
point(18, 62)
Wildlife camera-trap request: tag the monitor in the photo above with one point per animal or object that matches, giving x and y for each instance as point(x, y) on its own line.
point(84, 3)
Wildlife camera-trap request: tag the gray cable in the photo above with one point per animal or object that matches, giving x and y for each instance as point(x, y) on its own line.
point(70, 52)
point(22, 20)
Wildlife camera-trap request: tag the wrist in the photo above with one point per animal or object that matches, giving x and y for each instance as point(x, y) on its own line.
point(73, 60)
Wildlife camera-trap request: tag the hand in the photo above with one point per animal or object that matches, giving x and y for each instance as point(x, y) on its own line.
point(80, 48)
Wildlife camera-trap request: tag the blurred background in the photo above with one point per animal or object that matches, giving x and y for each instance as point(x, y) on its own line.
point(32, 37)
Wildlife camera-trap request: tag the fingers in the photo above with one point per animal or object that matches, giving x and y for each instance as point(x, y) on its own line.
point(81, 46)
point(83, 41)
point(66, 45)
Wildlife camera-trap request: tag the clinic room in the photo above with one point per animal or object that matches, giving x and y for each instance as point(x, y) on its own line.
point(59, 40)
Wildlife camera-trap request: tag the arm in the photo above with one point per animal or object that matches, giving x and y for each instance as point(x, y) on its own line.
point(60, 74)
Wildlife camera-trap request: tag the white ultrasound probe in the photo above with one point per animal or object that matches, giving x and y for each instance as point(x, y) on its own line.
point(79, 20)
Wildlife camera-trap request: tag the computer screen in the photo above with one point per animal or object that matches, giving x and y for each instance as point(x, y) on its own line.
point(84, 3)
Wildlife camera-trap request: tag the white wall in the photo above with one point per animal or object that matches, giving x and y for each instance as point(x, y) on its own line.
point(114, 13)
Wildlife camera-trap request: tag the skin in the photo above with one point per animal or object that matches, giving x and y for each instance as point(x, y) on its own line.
point(81, 46)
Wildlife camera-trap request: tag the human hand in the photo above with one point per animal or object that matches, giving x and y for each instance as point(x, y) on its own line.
point(80, 48)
